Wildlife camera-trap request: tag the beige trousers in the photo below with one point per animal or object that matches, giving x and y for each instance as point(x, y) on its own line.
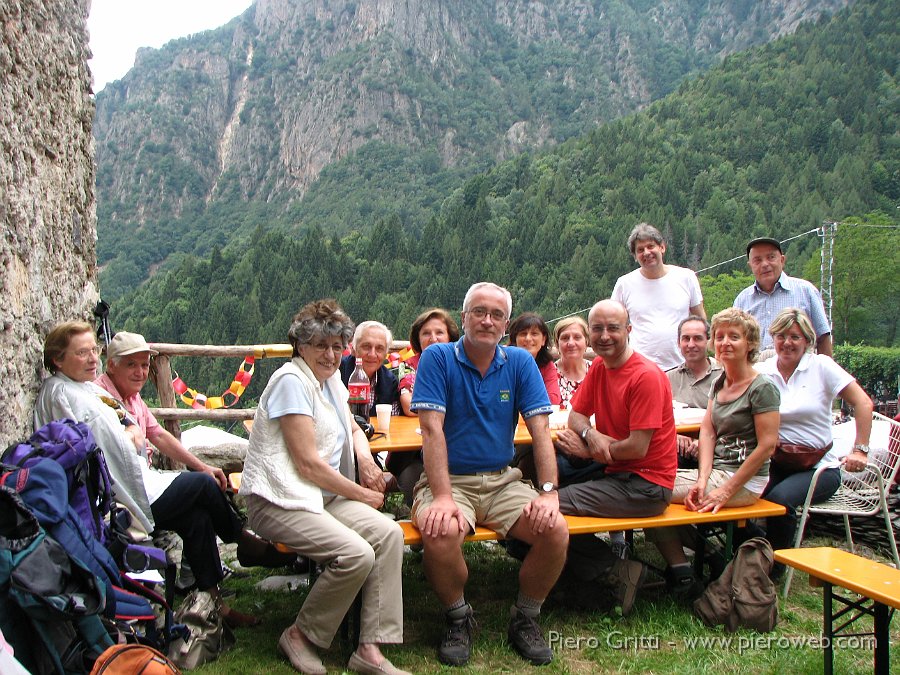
point(361, 550)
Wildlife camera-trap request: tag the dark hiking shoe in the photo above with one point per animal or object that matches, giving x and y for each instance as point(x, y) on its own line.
point(627, 577)
point(525, 636)
point(682, 583)
point(621, 549)
point(456, 646)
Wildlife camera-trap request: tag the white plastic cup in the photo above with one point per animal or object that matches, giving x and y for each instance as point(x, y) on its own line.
point(383, 414)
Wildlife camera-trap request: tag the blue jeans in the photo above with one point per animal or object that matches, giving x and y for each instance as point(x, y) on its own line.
point(196, 509)
point(579, 471)
point(789, 490)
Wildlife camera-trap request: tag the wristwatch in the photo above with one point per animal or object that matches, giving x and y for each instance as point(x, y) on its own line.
point(584, 432)
point(859, 447)
point(548, 487)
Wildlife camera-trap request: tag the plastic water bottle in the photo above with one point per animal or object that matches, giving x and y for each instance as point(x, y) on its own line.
point(360, 388)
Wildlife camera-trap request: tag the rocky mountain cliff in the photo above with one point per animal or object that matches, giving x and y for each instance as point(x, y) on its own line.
point(252, 113)
point(48, 271)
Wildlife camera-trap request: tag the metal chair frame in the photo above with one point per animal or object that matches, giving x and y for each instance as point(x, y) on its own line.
point(860, 494)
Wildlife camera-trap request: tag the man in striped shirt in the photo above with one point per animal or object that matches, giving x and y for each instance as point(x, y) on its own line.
point(774, 291)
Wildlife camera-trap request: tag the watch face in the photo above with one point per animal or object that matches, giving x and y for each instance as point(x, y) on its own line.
point(547, 487)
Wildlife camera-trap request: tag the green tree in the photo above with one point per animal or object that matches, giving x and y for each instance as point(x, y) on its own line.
point(720, 291)
point(866, 283)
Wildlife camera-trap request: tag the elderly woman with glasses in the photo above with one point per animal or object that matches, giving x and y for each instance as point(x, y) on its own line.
point(808, 383)
point(191, 503)
point(299, 483)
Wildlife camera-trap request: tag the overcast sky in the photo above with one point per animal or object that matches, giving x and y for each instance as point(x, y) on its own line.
point(119, 27)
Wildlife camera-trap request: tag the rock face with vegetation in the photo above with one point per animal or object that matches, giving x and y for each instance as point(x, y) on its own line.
point(216, 133)
point(769, 143)
point(47, 253)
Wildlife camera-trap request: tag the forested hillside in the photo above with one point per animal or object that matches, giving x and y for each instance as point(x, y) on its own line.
point(337, 113)
point(772, 142)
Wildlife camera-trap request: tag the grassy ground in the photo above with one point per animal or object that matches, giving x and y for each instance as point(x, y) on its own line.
point(660, 636)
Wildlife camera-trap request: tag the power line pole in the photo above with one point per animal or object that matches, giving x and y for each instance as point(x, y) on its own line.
point(826, 269)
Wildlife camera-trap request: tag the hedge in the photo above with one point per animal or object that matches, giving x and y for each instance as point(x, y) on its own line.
point(877, 369)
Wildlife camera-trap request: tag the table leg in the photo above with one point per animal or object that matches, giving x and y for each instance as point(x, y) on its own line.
point(828, 629)
point(882, 639)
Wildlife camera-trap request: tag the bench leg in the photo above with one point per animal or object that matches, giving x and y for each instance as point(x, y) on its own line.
point(729, 540)
point(882, 639)
point(828, 629)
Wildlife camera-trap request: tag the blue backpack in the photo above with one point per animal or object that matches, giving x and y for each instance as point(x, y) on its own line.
point(90, 489)
point(47, 593)
point(62, 477)
point(42, 488)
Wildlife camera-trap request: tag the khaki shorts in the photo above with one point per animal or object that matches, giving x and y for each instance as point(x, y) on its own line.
point(494, 500)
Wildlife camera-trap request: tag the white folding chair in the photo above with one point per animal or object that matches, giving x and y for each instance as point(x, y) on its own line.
point(861, 493)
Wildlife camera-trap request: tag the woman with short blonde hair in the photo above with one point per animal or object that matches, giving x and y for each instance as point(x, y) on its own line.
point(738, 435)
point(808, 383)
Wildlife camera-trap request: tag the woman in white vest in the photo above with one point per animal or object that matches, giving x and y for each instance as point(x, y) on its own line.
point(299, 482)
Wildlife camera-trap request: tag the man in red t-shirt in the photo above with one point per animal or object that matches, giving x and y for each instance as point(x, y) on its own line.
point(634, 437)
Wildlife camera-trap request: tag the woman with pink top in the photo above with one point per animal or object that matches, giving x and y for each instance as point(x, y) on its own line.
point(529, 332)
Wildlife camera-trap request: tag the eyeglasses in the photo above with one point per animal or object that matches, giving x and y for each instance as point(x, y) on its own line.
point(337, 348)
point(84, 353)
point(481, 312)
point(782, 337)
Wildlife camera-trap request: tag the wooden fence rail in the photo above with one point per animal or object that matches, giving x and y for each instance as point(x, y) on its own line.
point(161, 375)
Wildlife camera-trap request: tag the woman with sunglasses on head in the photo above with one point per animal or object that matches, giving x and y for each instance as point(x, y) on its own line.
point(431, 327)
point(530, 332)
point(808, 383)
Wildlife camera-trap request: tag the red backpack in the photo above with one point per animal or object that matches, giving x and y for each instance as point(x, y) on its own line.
point(133, 659)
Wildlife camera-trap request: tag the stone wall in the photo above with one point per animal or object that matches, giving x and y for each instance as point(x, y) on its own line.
point(48, 270)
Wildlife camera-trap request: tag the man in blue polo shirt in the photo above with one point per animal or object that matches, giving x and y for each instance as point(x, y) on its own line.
point(469, 395)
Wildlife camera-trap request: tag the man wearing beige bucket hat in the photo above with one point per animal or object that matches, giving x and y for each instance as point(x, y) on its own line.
point(191, 503)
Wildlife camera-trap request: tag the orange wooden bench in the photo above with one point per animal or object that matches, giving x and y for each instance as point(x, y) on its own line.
point(875, 581)
point(675, 514)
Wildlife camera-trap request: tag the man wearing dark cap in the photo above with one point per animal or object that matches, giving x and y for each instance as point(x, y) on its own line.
point(774, 291)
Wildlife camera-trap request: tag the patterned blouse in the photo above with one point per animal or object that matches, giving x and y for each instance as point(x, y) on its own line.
point(567, 387)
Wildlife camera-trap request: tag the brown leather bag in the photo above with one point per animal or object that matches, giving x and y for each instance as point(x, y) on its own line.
point(794, 458)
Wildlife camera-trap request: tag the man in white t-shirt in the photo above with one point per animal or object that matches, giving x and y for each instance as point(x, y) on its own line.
point(657, 297)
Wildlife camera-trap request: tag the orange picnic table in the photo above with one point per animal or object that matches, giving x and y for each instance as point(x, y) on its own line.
point(404, 434)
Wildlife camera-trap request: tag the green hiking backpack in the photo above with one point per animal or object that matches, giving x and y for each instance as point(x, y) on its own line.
point(744, 595)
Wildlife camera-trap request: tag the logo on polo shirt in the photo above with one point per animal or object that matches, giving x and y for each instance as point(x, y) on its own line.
point(504, 396)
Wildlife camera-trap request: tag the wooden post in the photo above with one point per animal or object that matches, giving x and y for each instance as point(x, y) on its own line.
point(161, 375)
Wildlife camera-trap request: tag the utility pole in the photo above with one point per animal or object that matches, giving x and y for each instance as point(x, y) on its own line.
point(826, 280)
